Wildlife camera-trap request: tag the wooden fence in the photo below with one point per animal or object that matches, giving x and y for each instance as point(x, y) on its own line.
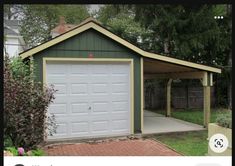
point(189, 96)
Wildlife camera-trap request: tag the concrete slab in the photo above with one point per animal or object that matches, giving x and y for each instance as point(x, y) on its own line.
point(154, 123)
point(152, 114)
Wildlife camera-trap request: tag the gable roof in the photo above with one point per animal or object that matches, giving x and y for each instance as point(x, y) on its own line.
point(91, 23)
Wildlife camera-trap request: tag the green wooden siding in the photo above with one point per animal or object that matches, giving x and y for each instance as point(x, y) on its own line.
point(100, 46)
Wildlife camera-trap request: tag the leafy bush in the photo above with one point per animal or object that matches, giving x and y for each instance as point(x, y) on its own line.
point(25, 105)
point(13, 150)
point(38, 152)
point(225, 119)
point(7, 142)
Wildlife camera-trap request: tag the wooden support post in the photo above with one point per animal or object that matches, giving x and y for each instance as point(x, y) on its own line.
point(207, 105)
point(142, 93)
point(207, 83)
point(168, 96)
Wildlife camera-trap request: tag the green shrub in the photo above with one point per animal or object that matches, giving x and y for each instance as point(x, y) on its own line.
point(225, 119)
point(13, 150)
point(38, 152)
point(35, 152)
point(25, 106)
point(7, 142)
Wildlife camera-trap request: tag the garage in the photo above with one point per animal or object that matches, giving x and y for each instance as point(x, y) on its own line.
point(100, 81)
point(93, 99)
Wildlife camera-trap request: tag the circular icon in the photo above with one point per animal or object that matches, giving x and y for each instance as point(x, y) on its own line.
point(218, 143)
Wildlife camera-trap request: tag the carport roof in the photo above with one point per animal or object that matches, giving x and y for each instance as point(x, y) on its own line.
point(91, 23)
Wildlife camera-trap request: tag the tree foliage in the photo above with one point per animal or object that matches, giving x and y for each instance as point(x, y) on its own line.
point(120, 19)
point(12, 11)
point(39, 20)
point(187, 32)
point(182, 31)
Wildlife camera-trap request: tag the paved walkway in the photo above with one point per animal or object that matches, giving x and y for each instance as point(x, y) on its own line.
point(157, 123)
point(136, 147)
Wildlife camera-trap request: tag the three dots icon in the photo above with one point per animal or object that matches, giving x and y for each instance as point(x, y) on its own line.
point(218, 17)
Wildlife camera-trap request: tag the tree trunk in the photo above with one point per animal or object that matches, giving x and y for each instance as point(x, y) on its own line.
point(166, 46)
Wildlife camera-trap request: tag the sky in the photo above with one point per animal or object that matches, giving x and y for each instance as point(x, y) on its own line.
point(95, 7)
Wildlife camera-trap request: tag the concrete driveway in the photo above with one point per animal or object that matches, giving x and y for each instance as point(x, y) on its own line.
point(116, 147)
point(157, 123)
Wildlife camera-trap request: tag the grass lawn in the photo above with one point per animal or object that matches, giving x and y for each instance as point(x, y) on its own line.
point(193, 115)
point(187, 143)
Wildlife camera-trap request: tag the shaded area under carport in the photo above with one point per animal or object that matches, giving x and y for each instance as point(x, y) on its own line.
point(173, 69)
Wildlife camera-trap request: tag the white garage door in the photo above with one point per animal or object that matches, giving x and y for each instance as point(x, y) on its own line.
point(93, 99)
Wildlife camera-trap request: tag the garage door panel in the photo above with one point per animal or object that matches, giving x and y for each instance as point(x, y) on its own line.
point(82, 79)
point(100, 107)
point(119, 97)
point(99, 68)
point(77, 89)
point(93, 99)
point(56, 80)
point(119, 115)
point(76, 118)
point(119, 88)
point(99, 126)
point(78, 99)
point(120, 106)
point(57, 69)
point(61, 88)
point(60, 108)
point(62, 129)
point(99, 97)
point(80, 128)
point(101, 79)
point(79, 108)
point(120, 125)
point(60, 99)
point(119, 78)
point(100, 88)
point(77, 69)
point(119, 69)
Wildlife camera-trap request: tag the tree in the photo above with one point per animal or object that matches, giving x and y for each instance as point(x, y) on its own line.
point(191, 33)
point(39, 20)
point(120, 19)
point(12, 12)
point(181, 31)
point(187, 32)
point(108, 12)
point(74, 14)
point(224, 81)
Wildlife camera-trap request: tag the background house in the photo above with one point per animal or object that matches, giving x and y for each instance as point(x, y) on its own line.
point(13, 41)
point(61, 28)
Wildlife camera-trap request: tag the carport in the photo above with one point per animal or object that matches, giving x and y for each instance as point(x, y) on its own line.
point(158, 67)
